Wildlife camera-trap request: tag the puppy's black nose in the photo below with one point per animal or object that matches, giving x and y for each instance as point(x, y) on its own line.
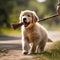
point(24, 18)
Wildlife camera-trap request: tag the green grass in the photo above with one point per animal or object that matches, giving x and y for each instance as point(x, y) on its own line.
point(50, 54)
point(9, 31)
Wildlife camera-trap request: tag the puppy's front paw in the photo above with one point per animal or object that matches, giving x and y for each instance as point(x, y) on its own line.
point(25, 52)
point(30, 53)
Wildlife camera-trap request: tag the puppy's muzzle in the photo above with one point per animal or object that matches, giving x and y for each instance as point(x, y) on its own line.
point(24, 20)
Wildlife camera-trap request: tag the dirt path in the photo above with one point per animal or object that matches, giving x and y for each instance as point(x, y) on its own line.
point(55, 35)
point(13, 45)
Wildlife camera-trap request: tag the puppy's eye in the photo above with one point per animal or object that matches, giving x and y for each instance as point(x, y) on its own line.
point(23, 15)
point(28, 15)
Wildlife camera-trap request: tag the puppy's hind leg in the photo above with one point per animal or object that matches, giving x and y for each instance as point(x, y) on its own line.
point(41, 46)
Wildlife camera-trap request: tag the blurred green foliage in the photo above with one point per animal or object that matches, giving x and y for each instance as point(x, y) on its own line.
point(10, 11)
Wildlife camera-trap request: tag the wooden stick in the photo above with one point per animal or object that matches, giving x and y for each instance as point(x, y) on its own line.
point(16, 25)
point(48, 18)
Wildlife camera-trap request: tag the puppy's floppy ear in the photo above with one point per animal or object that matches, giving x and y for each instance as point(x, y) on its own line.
point(20, 17)
point(35, 17)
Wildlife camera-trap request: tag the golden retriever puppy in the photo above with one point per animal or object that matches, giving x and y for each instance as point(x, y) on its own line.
point(34, 36)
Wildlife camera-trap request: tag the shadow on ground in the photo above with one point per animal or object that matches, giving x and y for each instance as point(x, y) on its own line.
point(6, 37)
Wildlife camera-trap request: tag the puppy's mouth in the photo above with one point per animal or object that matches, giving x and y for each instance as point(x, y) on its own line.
point(26, 23)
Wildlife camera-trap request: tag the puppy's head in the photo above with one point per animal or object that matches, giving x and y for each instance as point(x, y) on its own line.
point(29, 18)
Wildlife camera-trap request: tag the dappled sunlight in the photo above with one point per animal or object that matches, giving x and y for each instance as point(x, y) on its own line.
point(41, 1)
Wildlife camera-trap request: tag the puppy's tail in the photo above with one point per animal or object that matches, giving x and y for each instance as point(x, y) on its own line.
point(50, 40)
